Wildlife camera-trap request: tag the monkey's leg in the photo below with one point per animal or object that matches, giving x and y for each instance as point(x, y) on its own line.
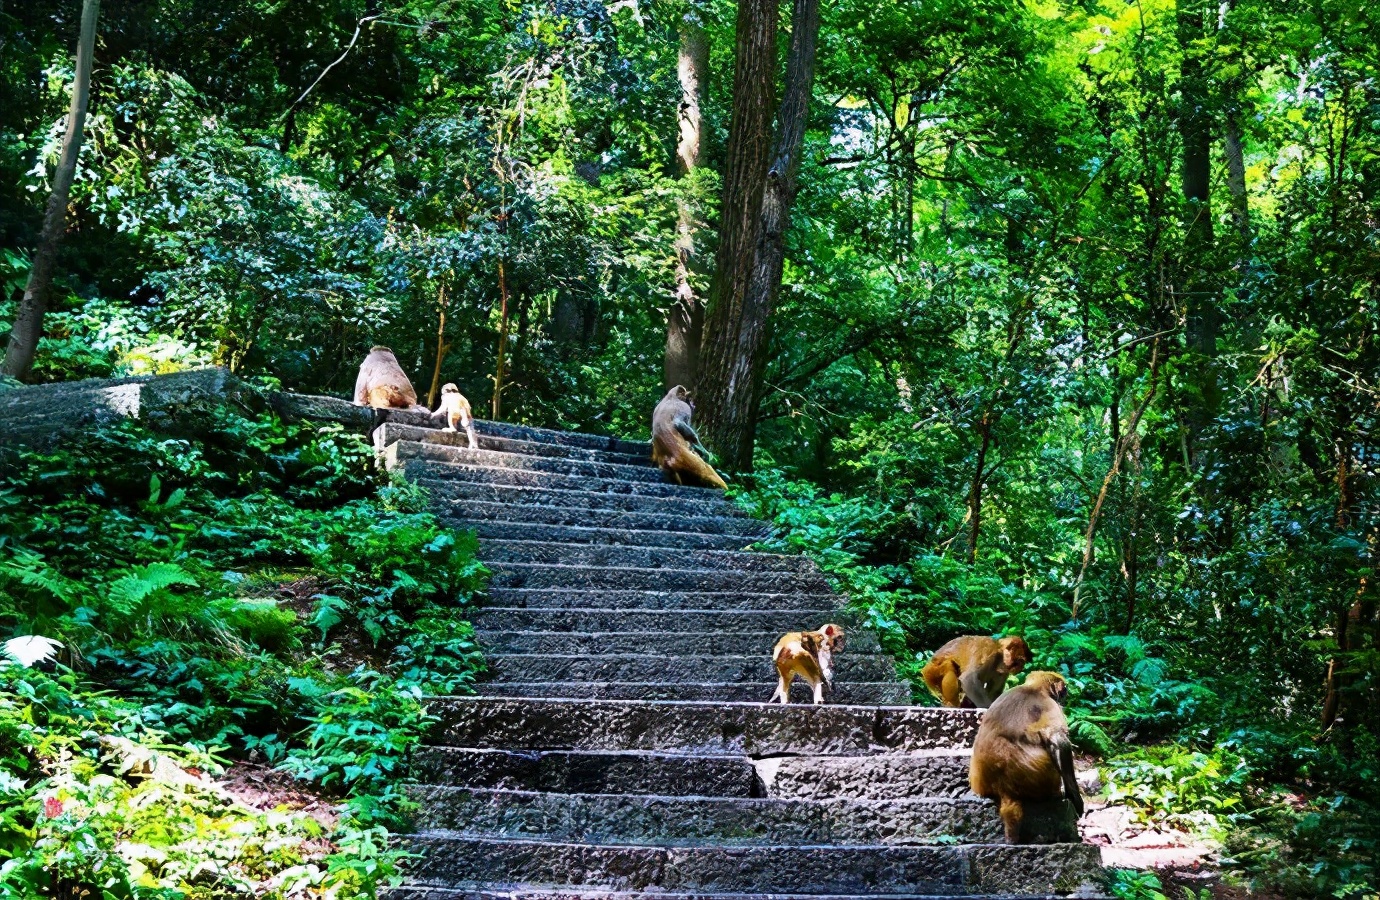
point(783, 690)
point(950, 692)
point(474, 438)
point(1012, 812)
point(819, 692)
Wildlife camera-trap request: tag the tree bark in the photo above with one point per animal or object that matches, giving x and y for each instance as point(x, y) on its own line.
point(736, 332)
point(685, 323)
point(1236, 175)
point(28, 324)
point(975, 491)
point(1195, 132)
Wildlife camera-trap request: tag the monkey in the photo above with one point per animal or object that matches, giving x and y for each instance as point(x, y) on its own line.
point(808, 655)
point(674, 441)
point(456, 411)
point(1022, 751)
point(971, 671)
point(382, 384)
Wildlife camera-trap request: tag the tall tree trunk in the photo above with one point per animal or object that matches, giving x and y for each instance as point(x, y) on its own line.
point(28, 324)
point(736, 332)
point(975, 491)
point(1236, 175)
point(685, 324)
point(1196, 283)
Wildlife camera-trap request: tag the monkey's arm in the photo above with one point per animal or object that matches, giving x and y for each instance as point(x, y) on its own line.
point(1062, 752)
point(974, 684)
point(687, 430)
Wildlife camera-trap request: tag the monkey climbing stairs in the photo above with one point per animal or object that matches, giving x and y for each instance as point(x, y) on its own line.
point(620, 747)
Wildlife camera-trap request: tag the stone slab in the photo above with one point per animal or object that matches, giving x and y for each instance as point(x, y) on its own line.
point(671, 642)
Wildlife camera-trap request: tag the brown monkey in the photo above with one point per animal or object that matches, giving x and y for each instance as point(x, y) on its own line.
point(674, 441)
point(971, 671)
point(456, 410)
point(808, 655)
point(1022, 752)
point(382, 384)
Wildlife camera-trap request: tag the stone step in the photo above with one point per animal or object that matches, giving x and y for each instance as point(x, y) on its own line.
point(432, 451)
point(455, 860)
point(499, 533)
point(756, 669)
point(529, 892)
point(871, 693)
point(661, 558)
point(557, 598)
point(563, 438)
point(696, 727)
point(727, 821)
point(548, 575)
point(453, 495)
point(390, 432)
point(931, 773)
point(497, 618)
point(416, 465)
point(469, 513)
point(668, 643)
point(578, 772)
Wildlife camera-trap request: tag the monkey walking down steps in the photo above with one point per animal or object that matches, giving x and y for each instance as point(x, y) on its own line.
point(621, 745)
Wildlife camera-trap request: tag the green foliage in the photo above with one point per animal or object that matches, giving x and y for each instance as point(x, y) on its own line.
point(178, 569)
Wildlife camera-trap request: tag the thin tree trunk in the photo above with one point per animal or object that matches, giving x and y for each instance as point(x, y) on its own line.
point(1118, 455)
point(497, 404)
point(442, 348)
point(28, 324)
point(685, 324)
point(975, 491)
point(736, 333)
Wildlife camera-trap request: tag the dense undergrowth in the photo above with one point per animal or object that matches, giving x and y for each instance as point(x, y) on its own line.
point(228, 587)
point(1184, 740)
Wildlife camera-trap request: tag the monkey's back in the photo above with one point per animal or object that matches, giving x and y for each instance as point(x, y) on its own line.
point(1010, 755)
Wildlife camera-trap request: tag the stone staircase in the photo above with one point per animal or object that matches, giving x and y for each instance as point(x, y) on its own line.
point(620, 746)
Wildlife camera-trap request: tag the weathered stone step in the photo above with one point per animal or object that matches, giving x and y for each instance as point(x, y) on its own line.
point(501, 533)
point(930, 773)
point(490, 618)
point(870, 693)
point(756, 669)
point(457, 861)
point(726, 821)
point(414, 462)
point(697, 727)
point(454, 494)
point(578, 772)
point(666, 643)
point(557, 598)
point(657, 521)
point(395, 431)
point(548, 575)
point(451, 454)
point(663, 558)
point(528, 892)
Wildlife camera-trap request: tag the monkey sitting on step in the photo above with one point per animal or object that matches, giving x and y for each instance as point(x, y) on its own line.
point(383, 385)
point(674, 441)
point(1022, 751)
point(970, 671)
point(809, 656)
point(456, 411)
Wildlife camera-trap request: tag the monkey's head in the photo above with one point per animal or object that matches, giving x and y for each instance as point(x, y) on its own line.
point(1051, 683)
point(831, 637)
point(379, 348)
point(680, 392)
point(1015, 653)
point(450, 388)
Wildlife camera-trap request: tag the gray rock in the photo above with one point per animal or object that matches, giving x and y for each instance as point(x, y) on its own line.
point(733, 643)
point(874, 693)
point(603, 598)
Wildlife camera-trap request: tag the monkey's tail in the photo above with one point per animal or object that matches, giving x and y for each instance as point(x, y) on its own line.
point(692, 465)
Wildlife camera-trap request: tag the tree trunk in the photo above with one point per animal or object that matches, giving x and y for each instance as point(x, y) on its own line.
point(736, 332)
point(685, 323)
point(1236, 176)
point(28, 324)
point(496, 405)
point(975, 491)
point(1195, 132)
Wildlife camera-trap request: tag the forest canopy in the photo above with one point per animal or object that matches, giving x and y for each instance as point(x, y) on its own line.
point(1076, 330)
